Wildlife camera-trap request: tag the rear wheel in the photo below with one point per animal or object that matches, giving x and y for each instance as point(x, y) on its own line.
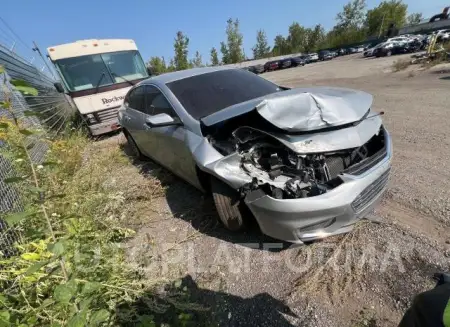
point(229, 205)
point(389, 53)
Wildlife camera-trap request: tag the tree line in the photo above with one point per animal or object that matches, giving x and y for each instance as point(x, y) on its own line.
point(355, 23)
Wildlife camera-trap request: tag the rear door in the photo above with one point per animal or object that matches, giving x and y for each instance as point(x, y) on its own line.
point(167, 144)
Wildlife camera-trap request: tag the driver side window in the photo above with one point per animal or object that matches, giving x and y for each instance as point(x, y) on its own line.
point(157, 103)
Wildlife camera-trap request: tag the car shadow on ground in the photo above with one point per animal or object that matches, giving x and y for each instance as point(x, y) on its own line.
point(191, 205)
point(177, 301)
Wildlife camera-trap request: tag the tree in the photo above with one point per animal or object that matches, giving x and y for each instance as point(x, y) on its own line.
point(157, 65)
point(296, 38)
point(281, 46)
point(314, 38)
point(352, 15)
point(414, 18)
point(181, 51)
point(197, 61)
point(261, 48)
point(349, 27)
point(225, 53)
point(389, 12)
point(232, 51)
point(214, 57)
point(171, 67)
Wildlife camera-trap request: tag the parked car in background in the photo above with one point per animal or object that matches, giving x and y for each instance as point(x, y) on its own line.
point(401, 38)
point(313, 57)
point(256, 69)
point(342, 52)
point(334, 54)
point(414, 45)
point(325, 55)
point(352, 50)
point(391, 48)
point(298, 61)
point(369, 52)
point(443, 35)
point(264, 151)
point(271, 65)
point(285, 63)
point(305, 58)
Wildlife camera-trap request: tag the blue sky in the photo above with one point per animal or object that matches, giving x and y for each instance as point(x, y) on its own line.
point(153, 24)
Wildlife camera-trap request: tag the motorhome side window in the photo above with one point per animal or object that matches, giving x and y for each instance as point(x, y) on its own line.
point(157, 103)
point(136, 99)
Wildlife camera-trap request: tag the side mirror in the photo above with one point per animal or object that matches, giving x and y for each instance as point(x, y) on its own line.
point(59, 87)
point(149, 71)
point(162, 120)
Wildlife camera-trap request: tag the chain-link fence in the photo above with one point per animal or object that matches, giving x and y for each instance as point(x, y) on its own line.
point(54, 111)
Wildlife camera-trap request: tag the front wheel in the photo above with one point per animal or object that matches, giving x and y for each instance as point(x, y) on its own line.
point(229, 205)
point(135, 152)
point(389, 53)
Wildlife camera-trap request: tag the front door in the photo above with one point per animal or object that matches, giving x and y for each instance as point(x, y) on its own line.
point(167, 144)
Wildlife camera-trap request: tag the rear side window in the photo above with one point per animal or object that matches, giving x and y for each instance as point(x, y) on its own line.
point(136, 99)
point(205, 94)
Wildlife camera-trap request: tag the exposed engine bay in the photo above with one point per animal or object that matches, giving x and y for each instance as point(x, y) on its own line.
point(284, 173)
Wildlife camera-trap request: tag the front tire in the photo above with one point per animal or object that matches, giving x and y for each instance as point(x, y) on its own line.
point(135, 152)
point(229, 205)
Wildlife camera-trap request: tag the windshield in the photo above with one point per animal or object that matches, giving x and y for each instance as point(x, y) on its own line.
point(85, 72)
point(205, 94)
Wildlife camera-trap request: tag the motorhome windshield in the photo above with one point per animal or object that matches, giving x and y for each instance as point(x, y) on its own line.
point(85, 72)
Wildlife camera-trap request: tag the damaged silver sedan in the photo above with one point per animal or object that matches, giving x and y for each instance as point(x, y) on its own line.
point(307, 162)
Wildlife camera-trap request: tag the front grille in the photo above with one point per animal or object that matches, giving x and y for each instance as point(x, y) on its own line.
point(370, 192)
point(107, 115)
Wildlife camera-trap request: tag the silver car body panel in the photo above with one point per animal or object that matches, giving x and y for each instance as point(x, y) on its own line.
point(226, 168)
point(328, 141)
point(292, 219)
point(311, 111)
point(303, 109)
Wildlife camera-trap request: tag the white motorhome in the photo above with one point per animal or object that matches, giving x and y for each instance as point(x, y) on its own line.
point(97, 75)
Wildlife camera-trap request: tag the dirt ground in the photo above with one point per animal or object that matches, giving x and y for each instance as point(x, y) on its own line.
point(365, 278)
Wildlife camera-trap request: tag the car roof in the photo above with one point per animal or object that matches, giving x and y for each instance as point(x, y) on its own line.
point(181, 74)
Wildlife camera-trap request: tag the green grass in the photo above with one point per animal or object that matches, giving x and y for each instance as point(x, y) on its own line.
point(92, 194)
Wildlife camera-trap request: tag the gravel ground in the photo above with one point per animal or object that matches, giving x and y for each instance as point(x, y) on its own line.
point(365, 278)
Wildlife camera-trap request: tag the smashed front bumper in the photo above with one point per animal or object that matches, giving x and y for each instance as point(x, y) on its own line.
point(335, 212)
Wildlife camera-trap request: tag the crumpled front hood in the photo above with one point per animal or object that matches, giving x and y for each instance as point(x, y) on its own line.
point(303, 109)
point(307, 109)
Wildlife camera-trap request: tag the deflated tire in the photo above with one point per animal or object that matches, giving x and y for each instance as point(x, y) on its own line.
point(229, 205)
